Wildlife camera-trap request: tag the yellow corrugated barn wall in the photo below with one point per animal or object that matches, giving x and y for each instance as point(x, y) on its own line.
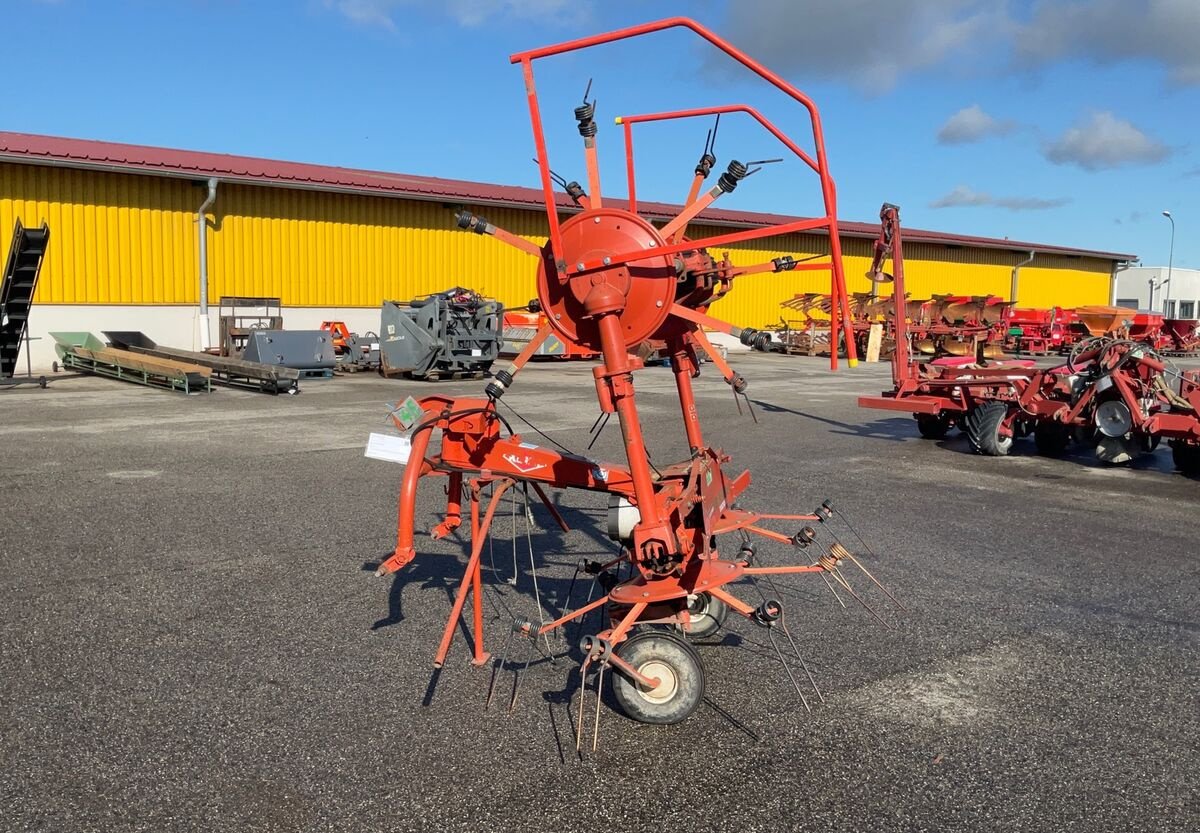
point(114, 238)
point(322, 249)
point(131, 239)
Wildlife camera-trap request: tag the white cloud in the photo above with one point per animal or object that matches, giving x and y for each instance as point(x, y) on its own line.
point(367, 12)
point(1104, 141)
point(382, 13)
point(872, 44)
point(963, 196)
point(1111, 31)
point(972, 124)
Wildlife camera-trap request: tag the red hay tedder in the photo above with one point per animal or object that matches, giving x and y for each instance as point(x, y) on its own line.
point(1116, 393)
point(608, 281)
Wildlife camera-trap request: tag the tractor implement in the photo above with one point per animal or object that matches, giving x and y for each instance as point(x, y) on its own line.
point(1116, 394)
point(609, 281)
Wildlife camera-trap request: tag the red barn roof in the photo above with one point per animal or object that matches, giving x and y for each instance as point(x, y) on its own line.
point(33, 149)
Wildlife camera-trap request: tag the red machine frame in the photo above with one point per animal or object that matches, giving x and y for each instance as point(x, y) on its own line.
point(996, 402)
point(609, 280)
point(820, 165)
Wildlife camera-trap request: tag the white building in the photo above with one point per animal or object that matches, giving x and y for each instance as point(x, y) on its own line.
point(1148, 288)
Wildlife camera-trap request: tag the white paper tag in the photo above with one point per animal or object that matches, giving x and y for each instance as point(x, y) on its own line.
point(389, 447)
point(374, 345)
point(476, 352)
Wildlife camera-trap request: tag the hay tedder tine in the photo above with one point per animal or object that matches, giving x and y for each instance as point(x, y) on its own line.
point(796, 649)
point(787, 668)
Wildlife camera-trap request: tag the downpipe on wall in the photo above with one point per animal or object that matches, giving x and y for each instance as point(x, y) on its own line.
point(202, 230)
point(1016, 276)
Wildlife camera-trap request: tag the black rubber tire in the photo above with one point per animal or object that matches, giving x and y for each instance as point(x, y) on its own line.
point(1086, 435)
point(931, 426)
point(983, 429)
point(708, 614)
point(1051, 438)
point(655, 653)
point(1186, 457)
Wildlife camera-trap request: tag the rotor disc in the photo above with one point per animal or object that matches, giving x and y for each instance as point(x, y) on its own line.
point(647, 286)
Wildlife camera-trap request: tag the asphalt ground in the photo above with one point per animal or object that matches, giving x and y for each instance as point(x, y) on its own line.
point(192, 638)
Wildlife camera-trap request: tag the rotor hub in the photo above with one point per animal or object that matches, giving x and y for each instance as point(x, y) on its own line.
point(639, 293)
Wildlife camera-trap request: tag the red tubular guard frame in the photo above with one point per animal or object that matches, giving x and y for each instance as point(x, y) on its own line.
point(819, 165)
point(837, 281)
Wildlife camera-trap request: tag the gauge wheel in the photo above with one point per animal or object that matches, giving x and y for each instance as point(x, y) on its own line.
point(707, 615)
point(1051, 438)
point(986, 429)
point(1186, 457)
point(667, 658)
point(933, 426)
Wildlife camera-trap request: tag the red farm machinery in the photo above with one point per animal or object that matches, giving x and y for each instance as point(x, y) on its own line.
point(609, 281)
point(941, 325)
point(1115, 393)
point(1042, 332)
point(1039, 332)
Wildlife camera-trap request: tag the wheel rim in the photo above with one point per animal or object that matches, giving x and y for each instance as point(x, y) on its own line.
point(668, 682)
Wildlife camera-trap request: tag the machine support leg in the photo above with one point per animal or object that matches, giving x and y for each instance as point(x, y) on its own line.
point(407, 506)
point(471, 571)
point(477, 580)
point(453, 508)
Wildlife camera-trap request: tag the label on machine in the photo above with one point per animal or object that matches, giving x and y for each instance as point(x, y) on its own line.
point(407, 413)
point(388, 447)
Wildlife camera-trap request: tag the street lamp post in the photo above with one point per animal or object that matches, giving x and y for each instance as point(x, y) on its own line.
point(1170, 260)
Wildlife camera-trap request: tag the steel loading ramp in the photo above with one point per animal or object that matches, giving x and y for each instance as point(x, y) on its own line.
point(16, 291)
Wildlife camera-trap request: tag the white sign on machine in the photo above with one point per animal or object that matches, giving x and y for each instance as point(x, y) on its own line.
point(394, 448)
point(388, 447)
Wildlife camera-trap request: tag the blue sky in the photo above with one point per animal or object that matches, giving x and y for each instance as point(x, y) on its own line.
point(1058, 121)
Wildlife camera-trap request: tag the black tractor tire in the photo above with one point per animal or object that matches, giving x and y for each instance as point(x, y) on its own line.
point(1086, 435)
point(1051, 438)
point(1186, 457)
point(933, 426)
point(983, 429)
point(707, 615)
point(662, 655)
